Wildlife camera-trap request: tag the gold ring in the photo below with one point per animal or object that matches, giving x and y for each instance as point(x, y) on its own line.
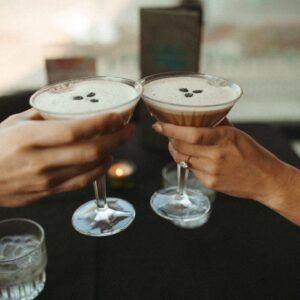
point(185, 164)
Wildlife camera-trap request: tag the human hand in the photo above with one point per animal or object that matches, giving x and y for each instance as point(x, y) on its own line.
point(227, 160)
point(40, 158)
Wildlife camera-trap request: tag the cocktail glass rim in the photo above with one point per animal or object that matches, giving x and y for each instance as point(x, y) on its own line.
point(166, 75)
point(41, 240)
point(135, 84)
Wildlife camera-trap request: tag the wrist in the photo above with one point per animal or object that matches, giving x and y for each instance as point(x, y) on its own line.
point(283, 192)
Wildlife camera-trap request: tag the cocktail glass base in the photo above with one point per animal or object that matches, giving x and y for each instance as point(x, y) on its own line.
point(168, 204)
point(202, 220)
point(91, 220)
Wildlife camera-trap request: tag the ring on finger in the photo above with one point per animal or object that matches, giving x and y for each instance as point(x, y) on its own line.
point(185, 164)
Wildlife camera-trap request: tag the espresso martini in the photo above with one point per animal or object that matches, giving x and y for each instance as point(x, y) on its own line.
point(189, 100)
point(84, 98)
point(186, 99)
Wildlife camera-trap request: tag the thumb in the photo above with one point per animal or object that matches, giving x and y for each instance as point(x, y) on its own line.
point(26, 115)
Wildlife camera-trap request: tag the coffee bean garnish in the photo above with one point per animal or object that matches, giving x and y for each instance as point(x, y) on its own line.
point(91, 94)
point(183, 90)
point(77, 98)
point(94, 100)
point(197, 91)
point(188, 95)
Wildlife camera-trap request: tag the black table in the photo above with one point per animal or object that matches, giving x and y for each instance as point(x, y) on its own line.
point(245, 251)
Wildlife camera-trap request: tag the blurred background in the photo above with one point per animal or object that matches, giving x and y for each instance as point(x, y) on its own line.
point(254, 42)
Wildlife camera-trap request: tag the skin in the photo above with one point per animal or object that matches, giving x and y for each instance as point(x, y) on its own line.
point(40, 158)
point(228, 160)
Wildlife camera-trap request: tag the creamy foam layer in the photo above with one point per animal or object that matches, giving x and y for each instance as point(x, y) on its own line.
point(84, 96)
point(191, 91)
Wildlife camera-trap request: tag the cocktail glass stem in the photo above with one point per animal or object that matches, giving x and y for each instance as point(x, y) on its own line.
point(182, 176)
point(103, 212)
point(100, 192)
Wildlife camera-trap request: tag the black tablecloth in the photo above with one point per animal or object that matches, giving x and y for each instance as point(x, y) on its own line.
point(245, 251)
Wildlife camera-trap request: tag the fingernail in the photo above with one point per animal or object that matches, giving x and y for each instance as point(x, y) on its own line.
point(157, 127)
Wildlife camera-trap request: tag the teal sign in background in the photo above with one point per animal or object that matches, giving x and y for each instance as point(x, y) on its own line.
point(168, 57)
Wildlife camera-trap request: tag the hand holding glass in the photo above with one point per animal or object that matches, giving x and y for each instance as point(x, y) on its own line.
point(186, 99)
point(84, 98)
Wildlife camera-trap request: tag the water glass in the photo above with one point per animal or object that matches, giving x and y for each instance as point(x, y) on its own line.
point(23, 259)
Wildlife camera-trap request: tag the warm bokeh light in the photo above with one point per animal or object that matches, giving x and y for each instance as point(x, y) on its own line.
point(119, 172)
point(121, 169)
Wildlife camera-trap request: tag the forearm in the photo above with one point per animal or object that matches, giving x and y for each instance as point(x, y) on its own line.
point(284, 195)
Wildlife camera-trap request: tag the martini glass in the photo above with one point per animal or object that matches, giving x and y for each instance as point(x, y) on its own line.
point(168, 98)
point(101, 216)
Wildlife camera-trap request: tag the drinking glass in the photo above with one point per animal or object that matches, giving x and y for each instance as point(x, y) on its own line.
point(101, 216)
point(179, 203)
point(23, 259)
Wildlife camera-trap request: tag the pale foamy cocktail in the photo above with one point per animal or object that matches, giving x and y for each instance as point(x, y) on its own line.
point(88, 96)
point(190, 100)
point(82, 98)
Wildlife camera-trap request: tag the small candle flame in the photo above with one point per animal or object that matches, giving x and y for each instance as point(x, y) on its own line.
point(119, 172)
